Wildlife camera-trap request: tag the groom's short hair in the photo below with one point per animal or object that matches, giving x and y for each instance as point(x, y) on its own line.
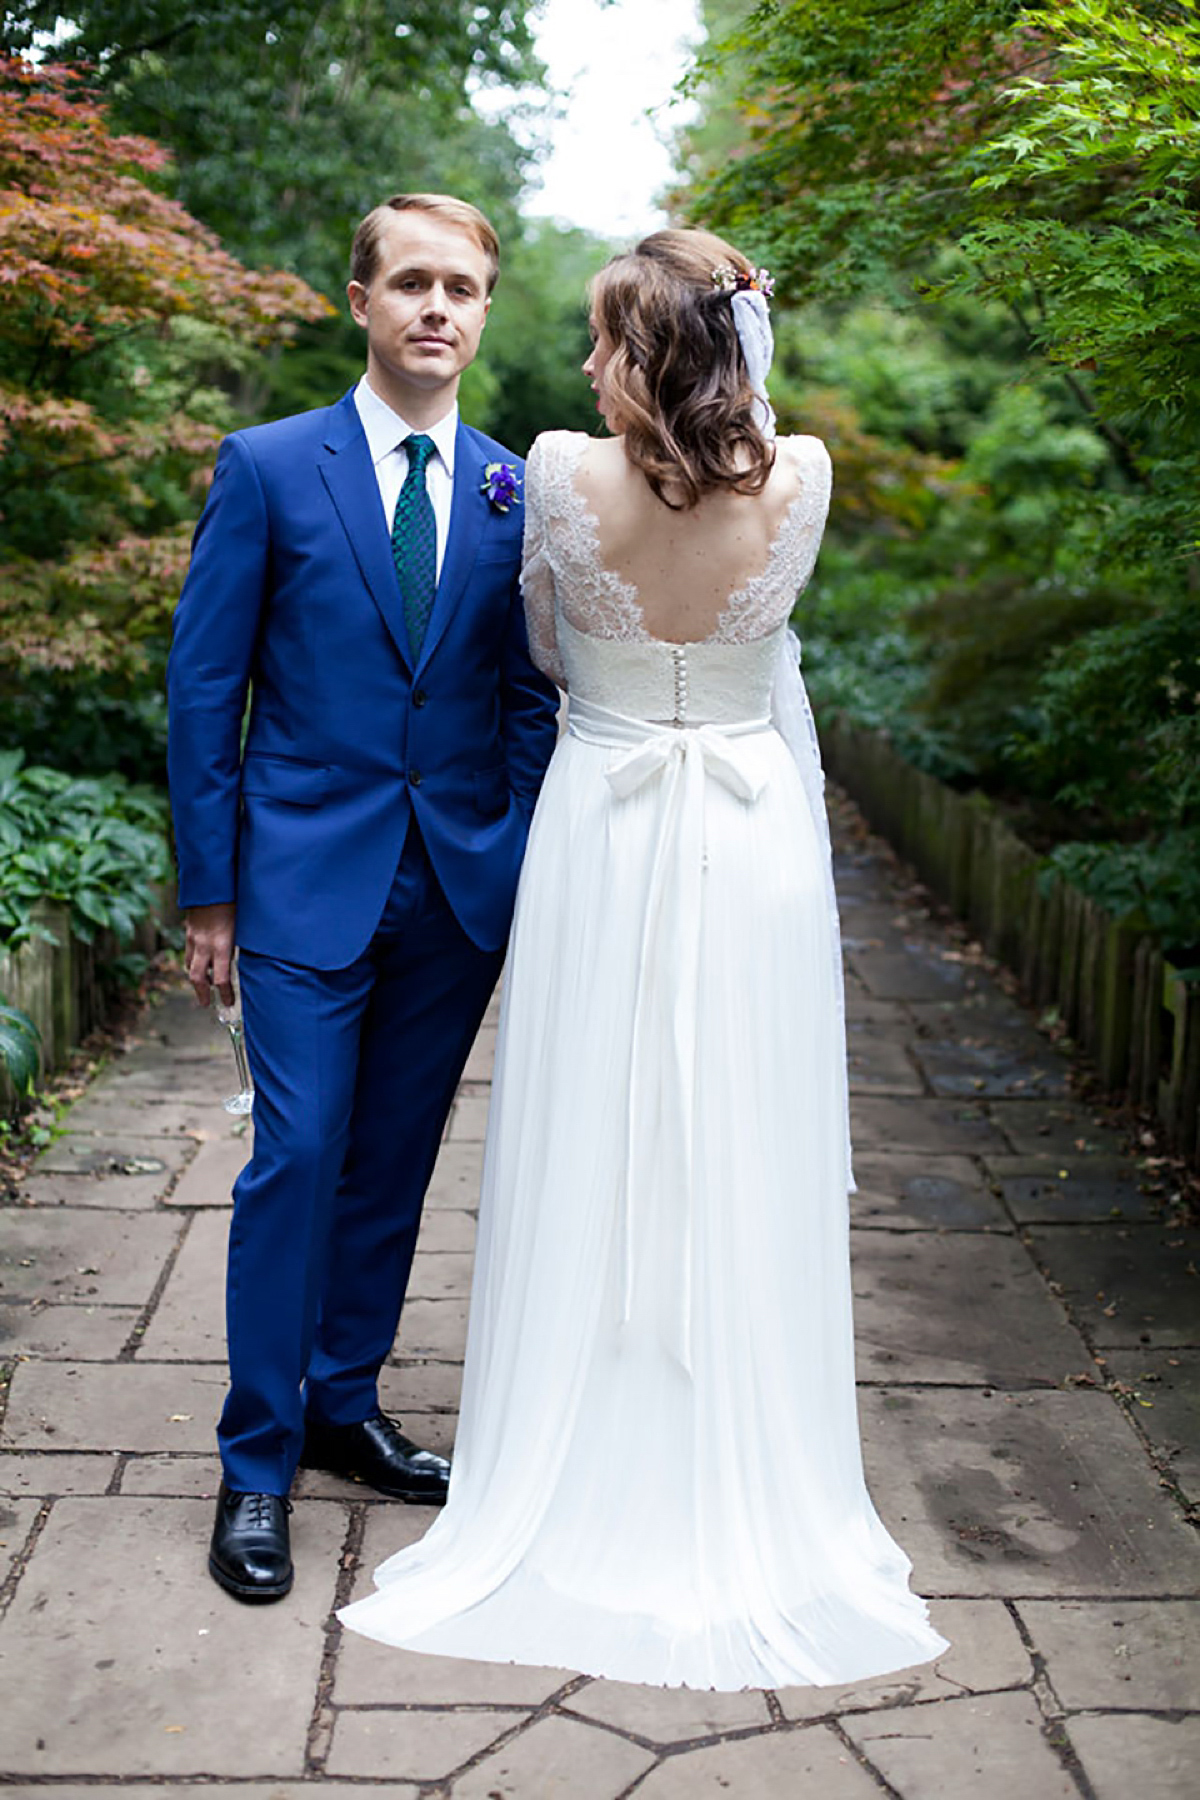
point(364, 252)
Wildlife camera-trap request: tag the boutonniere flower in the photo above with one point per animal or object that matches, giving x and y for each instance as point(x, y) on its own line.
point(500, 484)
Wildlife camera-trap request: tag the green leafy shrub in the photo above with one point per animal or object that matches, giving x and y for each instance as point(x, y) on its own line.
point(20, 1047)
point(97, 847)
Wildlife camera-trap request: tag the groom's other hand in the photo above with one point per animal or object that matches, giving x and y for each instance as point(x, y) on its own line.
point(208, 952)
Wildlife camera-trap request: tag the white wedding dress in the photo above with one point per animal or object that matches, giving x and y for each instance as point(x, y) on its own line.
point(657, 1474)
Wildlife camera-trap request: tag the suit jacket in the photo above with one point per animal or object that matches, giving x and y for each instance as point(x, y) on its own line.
point(292, 597)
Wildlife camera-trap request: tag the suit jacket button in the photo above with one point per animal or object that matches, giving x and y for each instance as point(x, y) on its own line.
point(420, 697)
point(414, 777)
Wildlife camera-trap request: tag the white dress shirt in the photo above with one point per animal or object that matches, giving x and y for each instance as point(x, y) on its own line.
point(386, 431)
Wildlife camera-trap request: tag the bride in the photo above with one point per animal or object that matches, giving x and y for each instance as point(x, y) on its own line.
point(657, 1475)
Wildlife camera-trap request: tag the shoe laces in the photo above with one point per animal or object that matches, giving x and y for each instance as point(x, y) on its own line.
point(260, 1508)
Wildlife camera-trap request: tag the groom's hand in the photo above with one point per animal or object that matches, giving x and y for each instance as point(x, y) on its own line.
point(208, 951)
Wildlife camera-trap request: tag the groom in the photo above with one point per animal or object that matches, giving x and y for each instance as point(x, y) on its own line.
point(356, 573)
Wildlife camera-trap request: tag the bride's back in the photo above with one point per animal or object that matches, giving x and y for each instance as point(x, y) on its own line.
point(684, 564)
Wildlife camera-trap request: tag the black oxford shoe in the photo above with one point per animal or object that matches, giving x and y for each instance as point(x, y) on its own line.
point(250, 1556)
point(378, 1453)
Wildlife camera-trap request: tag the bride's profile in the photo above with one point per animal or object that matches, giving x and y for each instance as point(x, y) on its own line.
point(657, 1476)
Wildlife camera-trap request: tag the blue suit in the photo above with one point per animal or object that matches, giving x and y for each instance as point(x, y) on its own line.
point(371, 836)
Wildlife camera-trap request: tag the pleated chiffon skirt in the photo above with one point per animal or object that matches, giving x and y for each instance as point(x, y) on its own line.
point(657, 1475)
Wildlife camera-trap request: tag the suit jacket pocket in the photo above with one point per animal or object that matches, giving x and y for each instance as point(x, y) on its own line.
point(285, 778)
point(491, 789)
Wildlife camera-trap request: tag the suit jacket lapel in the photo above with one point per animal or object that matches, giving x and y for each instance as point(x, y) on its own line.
point(468, 517)
point(349, 475)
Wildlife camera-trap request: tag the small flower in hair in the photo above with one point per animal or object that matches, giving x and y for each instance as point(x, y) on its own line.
point(735, 281)
point(500, 484)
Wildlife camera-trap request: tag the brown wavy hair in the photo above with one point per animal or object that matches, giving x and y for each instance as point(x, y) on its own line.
point(677, 377)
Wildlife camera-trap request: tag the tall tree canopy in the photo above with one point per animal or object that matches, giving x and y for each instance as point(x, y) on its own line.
point(121, 314)
point(987, 209)
point(288, 120)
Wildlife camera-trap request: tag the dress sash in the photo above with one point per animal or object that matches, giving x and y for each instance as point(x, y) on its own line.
point(682, 758)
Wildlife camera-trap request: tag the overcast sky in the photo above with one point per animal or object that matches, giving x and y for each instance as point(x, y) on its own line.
point(608, 161)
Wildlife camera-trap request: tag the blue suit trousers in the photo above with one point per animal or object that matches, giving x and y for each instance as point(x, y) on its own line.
point(354, 1071)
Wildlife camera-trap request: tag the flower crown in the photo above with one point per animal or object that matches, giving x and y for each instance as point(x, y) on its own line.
point(728, 280)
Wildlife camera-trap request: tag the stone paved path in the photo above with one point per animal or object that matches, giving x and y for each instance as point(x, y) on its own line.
point(1028, 1341)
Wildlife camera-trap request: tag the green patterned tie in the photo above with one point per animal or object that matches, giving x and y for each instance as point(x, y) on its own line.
point(414, 543)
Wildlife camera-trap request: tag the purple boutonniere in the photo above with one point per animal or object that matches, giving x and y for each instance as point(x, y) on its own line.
point(500, 484)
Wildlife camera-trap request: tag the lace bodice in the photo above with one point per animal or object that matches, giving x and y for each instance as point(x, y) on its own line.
point(564, 578)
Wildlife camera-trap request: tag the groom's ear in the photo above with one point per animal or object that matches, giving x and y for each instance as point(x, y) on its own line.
point(356, 294)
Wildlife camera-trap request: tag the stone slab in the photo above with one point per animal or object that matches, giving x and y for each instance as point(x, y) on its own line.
point(986, 1654)
point(432, 1428)
point(139, 1186)
point(483, 1054)
point(189, 1320)
point(801, 1762)
point(371, 1674)
point(156, 1072)
point(110, 1258)
point(179, 1477)
point(84, 1153)
point(1038, 1494)
point(1076, 1189)
point(32, 1472)
point(1129, 1754)
point(445, 1276)
point(882, 1015)
point(412, 1745)
point(1129, 1284)
point(221, 1790)
point(113, 1406)
point(16, 1522)
point(670, 1715)
point(557, 1759)
point(1123, 1653)
point(131, 1661)
point(963, 1066)
point(208, 1179)
point(879, 1123)
point(446, 1228)
point(918, 972)
point(175, 1019)
point(918, 1193)
point(457, 1176)
point(1057, 1127)
point(117, 1114)
point(83, 1333)
point(433, 1328)
point(989, 1748)
point(927, 1305)
point(468, 1120)
point(429, 1386)
point(879, 1064)
point(1166, 1389)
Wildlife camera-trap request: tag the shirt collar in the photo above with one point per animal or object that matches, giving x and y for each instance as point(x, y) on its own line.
point(385, 429)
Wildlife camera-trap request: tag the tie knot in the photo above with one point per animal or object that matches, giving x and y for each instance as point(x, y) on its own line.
point(420, 448)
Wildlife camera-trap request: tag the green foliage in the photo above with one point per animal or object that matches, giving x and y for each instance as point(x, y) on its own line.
point(537, 337)
point(289, 121)
point(993, 205)
point(20, 1048)
point(97, 847)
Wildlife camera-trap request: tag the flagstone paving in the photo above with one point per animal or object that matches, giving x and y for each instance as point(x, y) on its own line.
point(1029, 1363)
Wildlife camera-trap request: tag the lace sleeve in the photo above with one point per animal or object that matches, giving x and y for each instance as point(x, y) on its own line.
point(537, 576)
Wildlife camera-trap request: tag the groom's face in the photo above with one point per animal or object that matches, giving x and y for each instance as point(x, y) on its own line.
point(427, 301)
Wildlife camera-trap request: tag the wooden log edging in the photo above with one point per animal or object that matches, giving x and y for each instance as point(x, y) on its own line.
point(60, 984)
point(1119, 998)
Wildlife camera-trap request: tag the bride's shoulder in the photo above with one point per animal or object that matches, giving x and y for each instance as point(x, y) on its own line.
point(551, 447)
point(804, 451)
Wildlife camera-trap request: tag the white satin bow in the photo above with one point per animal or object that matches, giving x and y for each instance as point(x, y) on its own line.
point(661, 1123)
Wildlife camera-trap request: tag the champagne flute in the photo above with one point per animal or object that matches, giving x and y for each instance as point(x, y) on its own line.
point(242, 1102)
